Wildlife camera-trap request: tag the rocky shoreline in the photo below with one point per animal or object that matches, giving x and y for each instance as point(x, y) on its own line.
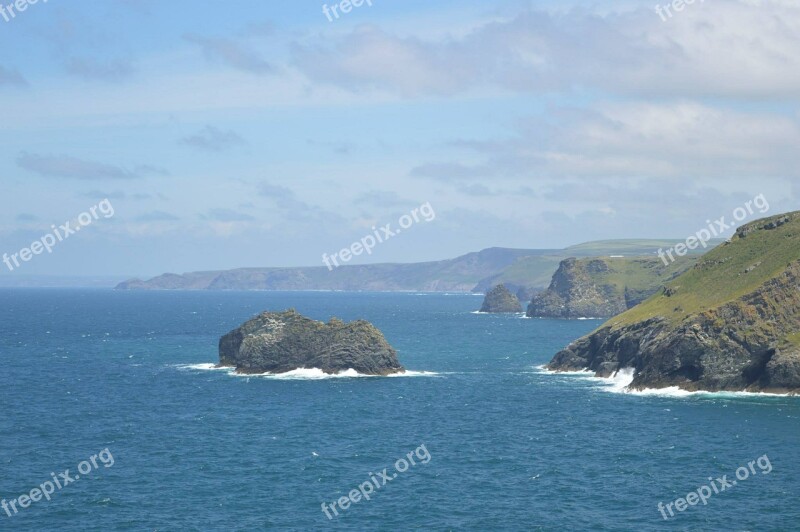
point(748, 343)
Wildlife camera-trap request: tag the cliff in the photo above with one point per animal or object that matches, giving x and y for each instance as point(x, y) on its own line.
point(603, 287)
point(277, 342)
point(732, 322)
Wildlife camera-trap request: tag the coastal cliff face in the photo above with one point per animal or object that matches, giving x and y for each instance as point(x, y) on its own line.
point(602, 287)
point(277, 342)
point(573, 293)
point(730, 323)
point(500, 300)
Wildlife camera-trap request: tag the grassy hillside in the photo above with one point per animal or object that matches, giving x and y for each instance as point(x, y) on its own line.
point(642, 274)
point(627, 247)
point(726, 273)
point(731, 322)
point(537, 271)
point(603, 286)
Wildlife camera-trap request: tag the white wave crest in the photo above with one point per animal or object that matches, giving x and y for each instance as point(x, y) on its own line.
point(301, 373)
point(206, 366)
point(409, 373)
point(583, 372)
point(621, 380)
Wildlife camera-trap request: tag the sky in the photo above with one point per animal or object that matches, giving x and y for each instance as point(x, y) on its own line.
point(256, 133)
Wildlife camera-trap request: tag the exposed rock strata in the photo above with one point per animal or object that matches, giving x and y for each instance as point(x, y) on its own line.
point(749, 342)
point(277, 342)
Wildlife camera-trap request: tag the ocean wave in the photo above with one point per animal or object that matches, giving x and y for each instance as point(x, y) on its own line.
point(202, 367)
point(620, 383)
point(515, 314)
point(583, 372)
point(409, 373)
point(301, 373)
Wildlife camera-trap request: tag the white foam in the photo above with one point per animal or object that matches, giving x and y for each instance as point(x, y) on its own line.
point(583, 372)
point(674, 391)
point(409, 373)
point(306, 374)
point(301, 373)
point(621, 380)
point(202, 367)
point(515, 314)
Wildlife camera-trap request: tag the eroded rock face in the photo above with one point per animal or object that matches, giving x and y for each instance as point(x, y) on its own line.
point(602, 287)
point(500, 299)
point(573, 293)
point(277, 342)
point(740, 345)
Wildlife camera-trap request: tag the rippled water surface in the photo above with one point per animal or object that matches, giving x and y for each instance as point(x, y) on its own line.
point(511, 447)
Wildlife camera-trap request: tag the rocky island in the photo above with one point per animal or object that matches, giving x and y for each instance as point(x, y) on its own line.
point(499, 300)
point(732, 322)
point(277, 342)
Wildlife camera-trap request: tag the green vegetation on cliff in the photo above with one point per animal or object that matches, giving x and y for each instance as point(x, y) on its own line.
point(603, 287)
point(733, 269)
point(536, 271)
point(731, 322)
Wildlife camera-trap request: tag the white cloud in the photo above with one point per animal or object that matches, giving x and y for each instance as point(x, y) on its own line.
point(669, 140)
point(743, 49)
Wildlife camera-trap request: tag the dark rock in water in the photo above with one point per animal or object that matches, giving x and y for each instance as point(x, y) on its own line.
point(499, 299)
point(277, 342)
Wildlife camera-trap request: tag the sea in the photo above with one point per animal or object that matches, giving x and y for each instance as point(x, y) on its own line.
point(113, 416)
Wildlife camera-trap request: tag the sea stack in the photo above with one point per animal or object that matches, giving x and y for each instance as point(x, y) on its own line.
point(500, 299)
point(277, 342)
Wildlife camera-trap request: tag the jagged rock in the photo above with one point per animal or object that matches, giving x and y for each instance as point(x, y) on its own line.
point(277, 342)
point(499, 300)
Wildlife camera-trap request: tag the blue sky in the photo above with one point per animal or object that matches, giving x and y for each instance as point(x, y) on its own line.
point(256, 133)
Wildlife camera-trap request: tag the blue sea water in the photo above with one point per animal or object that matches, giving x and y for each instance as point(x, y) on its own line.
point(511, 447)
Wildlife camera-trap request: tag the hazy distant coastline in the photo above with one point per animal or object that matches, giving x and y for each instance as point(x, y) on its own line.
point(518, 269)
